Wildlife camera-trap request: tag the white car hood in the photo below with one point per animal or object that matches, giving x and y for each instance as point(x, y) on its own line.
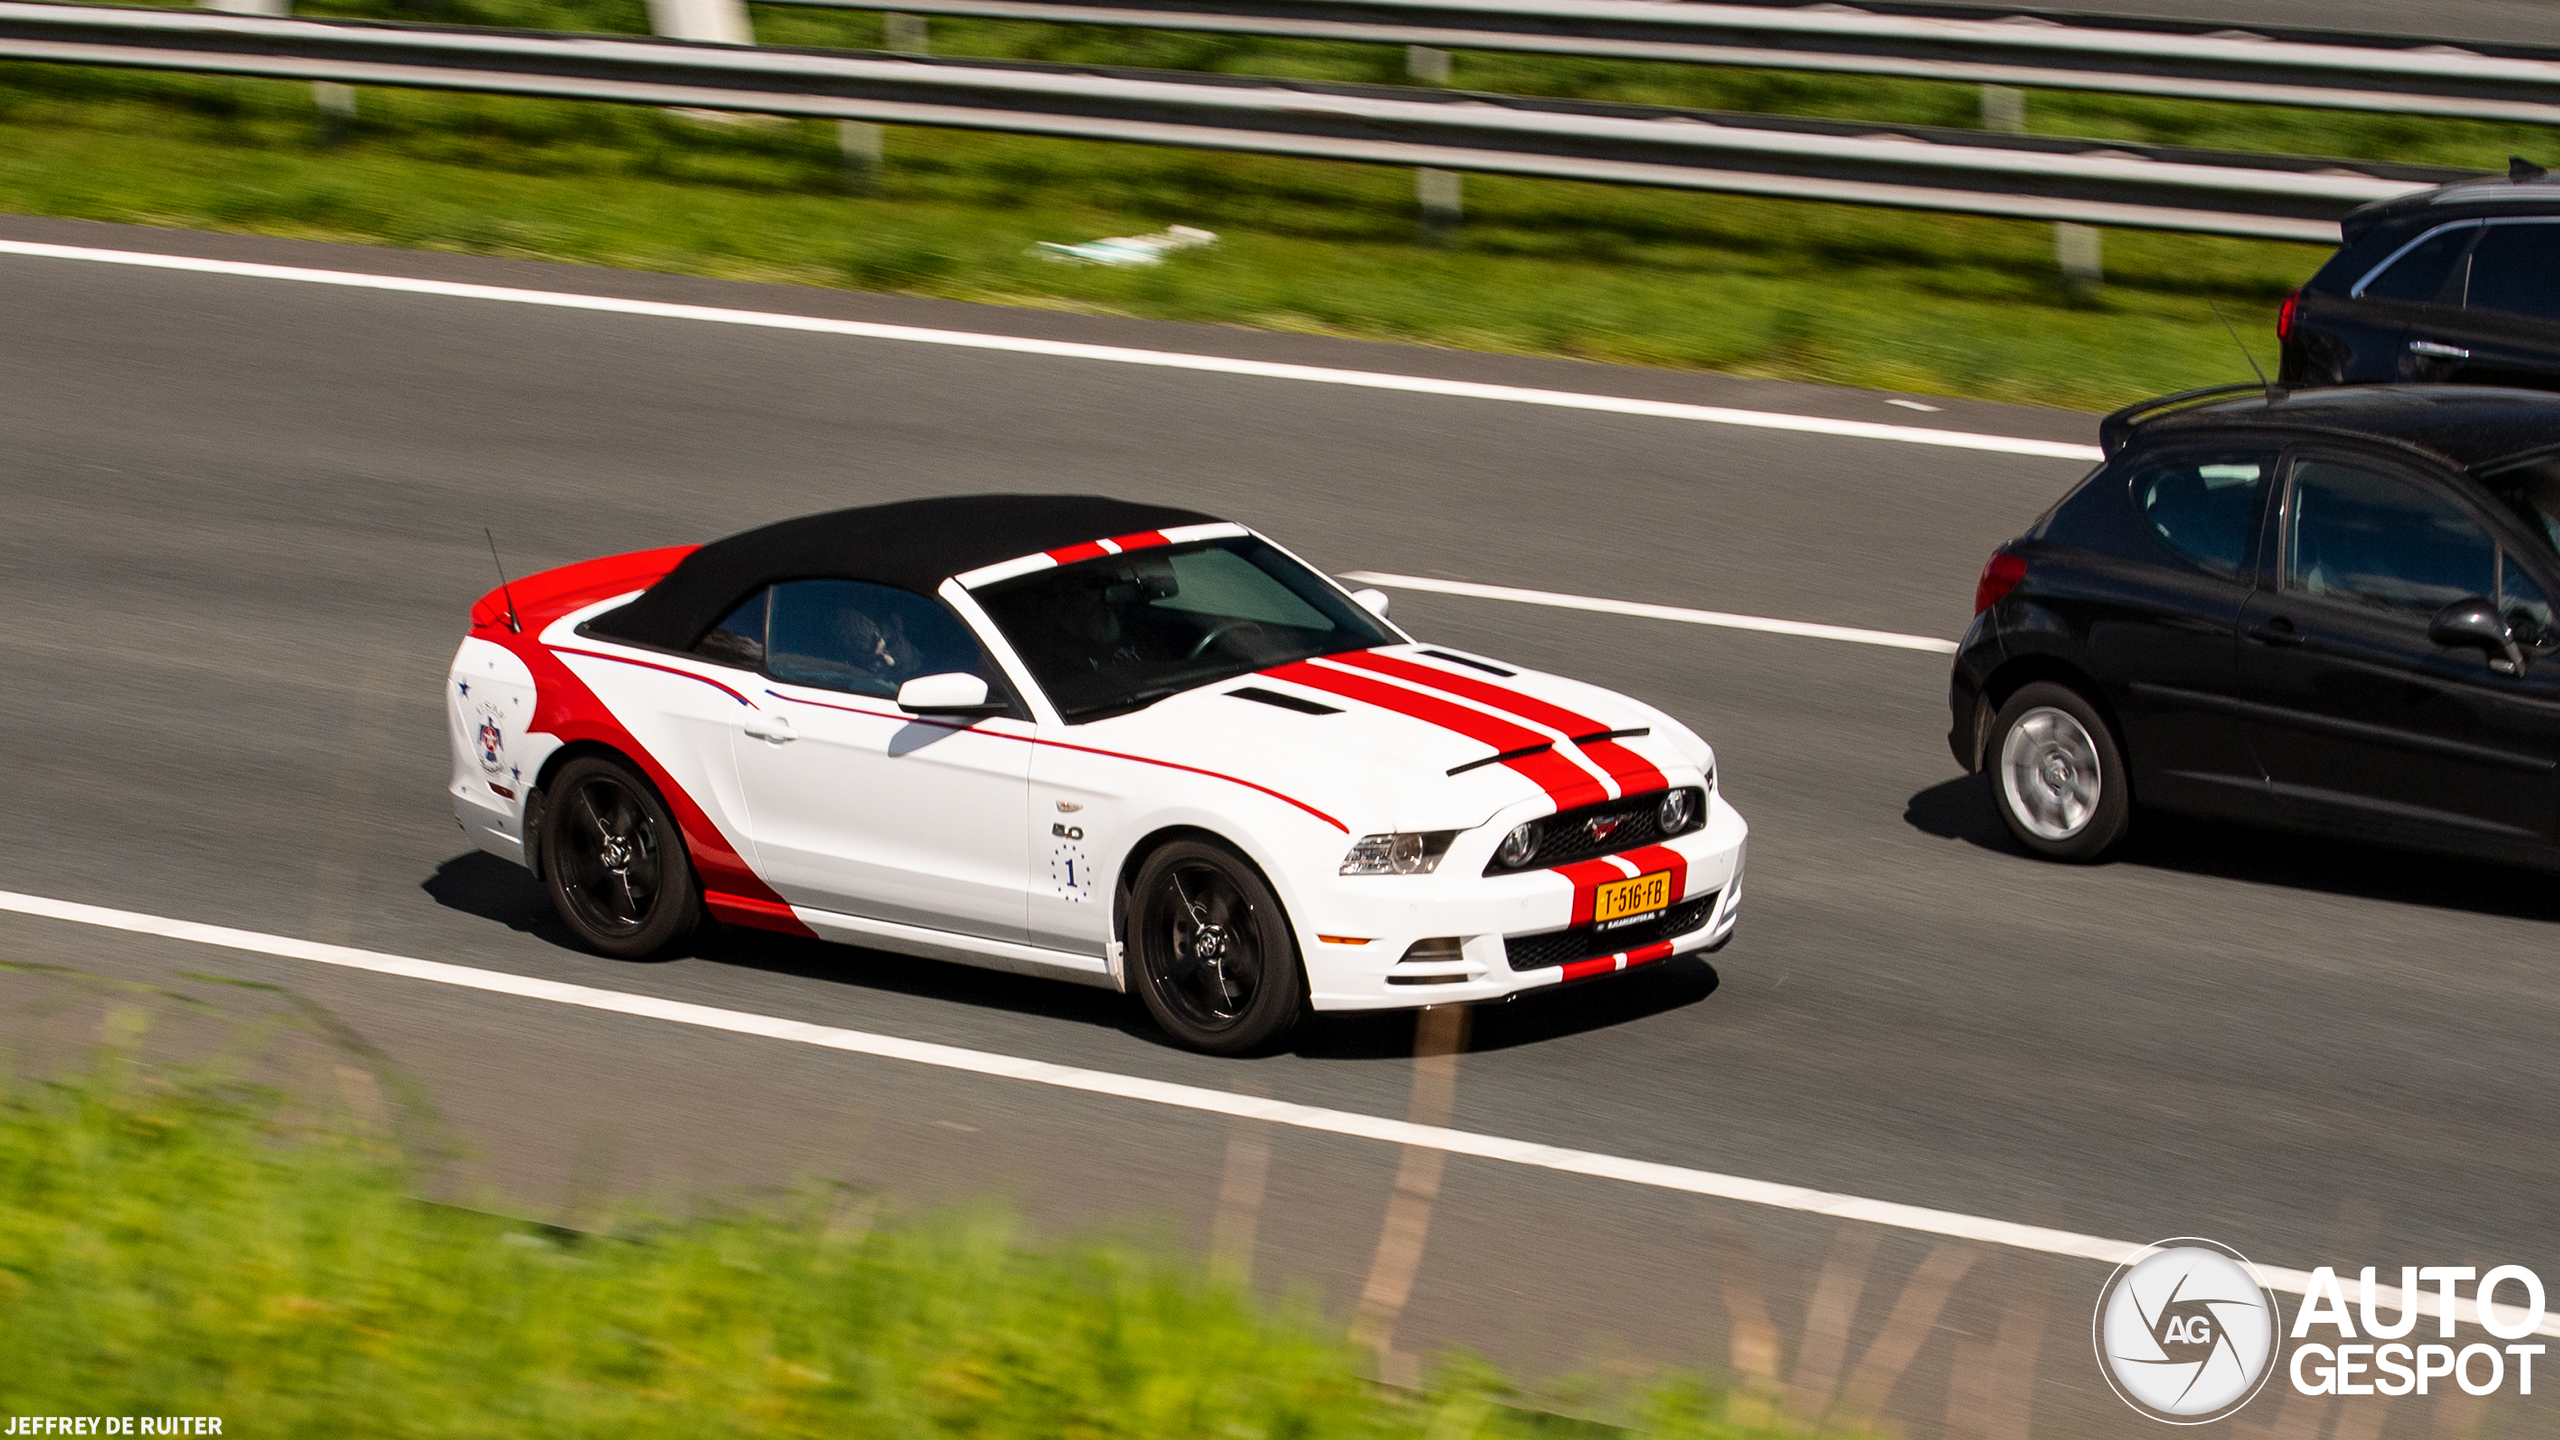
point(1376, 769)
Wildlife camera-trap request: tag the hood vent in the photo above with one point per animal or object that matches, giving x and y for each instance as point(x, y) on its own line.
point(1285, 702)
point(1472, 663)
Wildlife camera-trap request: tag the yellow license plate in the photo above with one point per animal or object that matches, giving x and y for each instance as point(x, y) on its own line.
point(1620, 901)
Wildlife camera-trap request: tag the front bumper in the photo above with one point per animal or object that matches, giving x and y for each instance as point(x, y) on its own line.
point(1391, 914)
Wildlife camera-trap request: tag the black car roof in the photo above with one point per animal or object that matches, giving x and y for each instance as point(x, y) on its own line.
point(911, 544)
point(2516, 193)
point(2468, 425)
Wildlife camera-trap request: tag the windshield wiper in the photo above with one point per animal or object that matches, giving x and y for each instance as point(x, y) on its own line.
point(1136, 701)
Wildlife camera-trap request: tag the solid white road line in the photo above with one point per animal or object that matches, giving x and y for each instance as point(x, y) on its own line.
point(1474, 591)
point(1113, 354)
point(1184, 1097)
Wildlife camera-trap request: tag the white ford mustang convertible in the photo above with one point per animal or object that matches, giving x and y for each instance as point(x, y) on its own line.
point(1070, 736)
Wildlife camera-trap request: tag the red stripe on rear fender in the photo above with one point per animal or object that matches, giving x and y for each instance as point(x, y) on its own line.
point(1566, 783)
point(1633, 772)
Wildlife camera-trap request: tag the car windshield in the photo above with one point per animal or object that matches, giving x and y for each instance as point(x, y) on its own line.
point(1119, 633)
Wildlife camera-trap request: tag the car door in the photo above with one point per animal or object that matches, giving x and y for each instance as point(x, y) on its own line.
point(2507, 331)
point(2170, 640)
point(2361, 722)
point(859, 808)
point(2361, 335)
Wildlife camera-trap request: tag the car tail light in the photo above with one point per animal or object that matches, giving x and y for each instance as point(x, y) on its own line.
point(2000, 575)
point(2284, 316)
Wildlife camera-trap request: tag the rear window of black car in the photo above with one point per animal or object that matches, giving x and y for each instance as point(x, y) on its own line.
point(2205, 507)
point(2419, 275)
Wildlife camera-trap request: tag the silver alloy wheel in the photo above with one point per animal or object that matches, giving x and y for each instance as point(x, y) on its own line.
point(2049, 773)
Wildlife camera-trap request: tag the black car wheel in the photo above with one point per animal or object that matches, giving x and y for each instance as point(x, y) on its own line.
point(2057, 773)
point(1211, 953)
point(614, 862)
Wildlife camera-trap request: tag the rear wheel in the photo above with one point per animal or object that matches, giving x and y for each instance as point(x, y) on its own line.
point(614, 862)
point(1213, 957)
point(2058, 774)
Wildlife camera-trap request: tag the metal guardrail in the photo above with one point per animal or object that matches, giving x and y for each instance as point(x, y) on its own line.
point(1964, 171)
point(2035, 50)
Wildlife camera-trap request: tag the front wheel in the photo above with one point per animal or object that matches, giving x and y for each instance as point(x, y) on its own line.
point(1212, 954)
point(614, 862)
point(2058, 774)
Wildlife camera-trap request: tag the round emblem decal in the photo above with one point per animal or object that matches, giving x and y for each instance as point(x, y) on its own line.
point(490, 740)
point(2187, 1334)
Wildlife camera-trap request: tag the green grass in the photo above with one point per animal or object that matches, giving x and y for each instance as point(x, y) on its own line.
point(1919, 303)
point(176, 1246)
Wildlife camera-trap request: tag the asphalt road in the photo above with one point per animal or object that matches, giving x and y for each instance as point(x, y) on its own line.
point(243, 522)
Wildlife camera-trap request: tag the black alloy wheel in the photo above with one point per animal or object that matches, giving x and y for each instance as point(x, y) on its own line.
point(1212, 955)
point(2057, 773)
point(614, 862)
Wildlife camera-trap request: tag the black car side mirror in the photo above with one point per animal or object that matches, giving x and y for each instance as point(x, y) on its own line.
point(2475, 624)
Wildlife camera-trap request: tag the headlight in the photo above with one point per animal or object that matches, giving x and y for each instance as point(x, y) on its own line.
point(1406, 852)
point(1519, 847)
point(1678, 810)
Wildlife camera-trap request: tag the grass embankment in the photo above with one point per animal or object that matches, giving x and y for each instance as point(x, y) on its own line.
point(180, 1249)
point(1930, 304)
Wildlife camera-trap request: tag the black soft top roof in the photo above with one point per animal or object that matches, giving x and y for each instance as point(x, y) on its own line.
point(912, 544)
point(2469, 425)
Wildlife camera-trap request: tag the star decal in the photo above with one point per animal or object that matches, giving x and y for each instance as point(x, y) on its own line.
point(466, 686)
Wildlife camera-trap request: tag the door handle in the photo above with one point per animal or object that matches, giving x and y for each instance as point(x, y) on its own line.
point(765, 725)
point(2436, 351)
point(2278, 631)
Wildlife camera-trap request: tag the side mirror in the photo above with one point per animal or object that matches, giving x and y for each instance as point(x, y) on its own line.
point(1373, 600)
point(951, 693)
point(2475, 624)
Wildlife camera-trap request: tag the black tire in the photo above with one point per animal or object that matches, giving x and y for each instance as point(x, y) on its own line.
point(2057, 773)
point(614, 861)
point(1210, 950)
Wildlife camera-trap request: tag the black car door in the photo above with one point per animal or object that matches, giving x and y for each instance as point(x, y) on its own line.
point(2360, 721)
point(2170, 641)
point(2363, 335)
point(2508, 329)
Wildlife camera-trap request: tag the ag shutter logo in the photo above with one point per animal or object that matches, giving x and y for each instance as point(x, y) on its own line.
point(2188, 1333)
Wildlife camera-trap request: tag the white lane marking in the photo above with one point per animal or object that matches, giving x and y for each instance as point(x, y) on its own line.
point(1474, 591)
point(1060, 349)
point(1184, 1097)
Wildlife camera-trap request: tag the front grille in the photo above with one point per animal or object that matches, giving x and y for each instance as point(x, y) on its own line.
point(1563, 947)
point(1562, 838)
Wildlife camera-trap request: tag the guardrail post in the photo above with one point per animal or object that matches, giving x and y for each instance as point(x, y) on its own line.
point(2004, 109)
point(1442, 194)
point(722, 22)
point(864, 152)
point(904, 33)
point(1426, 64)
point(2076, 251)
point(337, 110)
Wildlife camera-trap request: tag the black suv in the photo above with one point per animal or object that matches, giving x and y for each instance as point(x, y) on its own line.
point(2459, 284)
point(2327, 609)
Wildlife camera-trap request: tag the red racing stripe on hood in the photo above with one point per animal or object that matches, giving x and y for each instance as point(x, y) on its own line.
point(564, 706)
point(1633, 772)
point(1566, 783)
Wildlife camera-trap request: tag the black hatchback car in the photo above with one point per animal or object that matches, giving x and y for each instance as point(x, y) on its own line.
point(2326, 609)
point(2460, 284)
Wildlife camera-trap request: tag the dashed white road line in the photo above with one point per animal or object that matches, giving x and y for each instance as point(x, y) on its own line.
point(1184, 1097)
point(1721, 618)
point(1060, 349)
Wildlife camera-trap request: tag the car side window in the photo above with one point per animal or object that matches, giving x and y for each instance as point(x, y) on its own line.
point(738, 640)
point(2205, 508)
point(2419, 277)
point(864, 639)
point(2356, 534)
point(2515, 270)
point(2520, 600)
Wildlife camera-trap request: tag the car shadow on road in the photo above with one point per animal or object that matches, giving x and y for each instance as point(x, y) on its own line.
point(493, 889)
point(1961, 809)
